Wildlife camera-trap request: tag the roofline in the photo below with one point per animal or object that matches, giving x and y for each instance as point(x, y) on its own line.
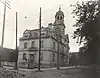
point(41, 38)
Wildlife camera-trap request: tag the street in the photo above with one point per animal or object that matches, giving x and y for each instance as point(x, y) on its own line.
point(71, 72)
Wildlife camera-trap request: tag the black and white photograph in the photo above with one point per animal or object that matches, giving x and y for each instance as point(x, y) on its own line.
point(50, 39)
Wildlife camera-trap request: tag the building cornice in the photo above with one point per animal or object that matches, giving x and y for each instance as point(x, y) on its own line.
point(42, 50)
point(29, 38)
point(45, 37)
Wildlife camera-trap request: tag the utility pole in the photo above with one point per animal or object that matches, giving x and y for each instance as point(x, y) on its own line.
point(16, 41)
point(58, 54)
point(4, 17)
point(39, 40)
point(3, 25)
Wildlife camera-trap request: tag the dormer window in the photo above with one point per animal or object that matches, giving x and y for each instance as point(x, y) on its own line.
point(26, 36)
point(34, 34)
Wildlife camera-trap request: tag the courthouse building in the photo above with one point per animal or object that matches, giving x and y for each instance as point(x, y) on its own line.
point(53, 41)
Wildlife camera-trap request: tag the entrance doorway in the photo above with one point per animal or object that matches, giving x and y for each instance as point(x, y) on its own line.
point(31, 61)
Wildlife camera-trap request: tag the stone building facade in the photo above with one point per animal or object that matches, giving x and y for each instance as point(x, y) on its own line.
point(51, 36)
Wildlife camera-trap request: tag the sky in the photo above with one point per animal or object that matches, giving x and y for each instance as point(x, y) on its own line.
point(30, 9)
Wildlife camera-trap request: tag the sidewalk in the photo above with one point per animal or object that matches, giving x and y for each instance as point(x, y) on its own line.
point(53, 68)
point(35, 69)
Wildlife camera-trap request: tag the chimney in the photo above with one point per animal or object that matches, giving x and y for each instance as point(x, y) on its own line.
point(50, 25)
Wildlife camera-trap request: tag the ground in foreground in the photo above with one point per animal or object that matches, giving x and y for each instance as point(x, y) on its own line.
point(52, 73)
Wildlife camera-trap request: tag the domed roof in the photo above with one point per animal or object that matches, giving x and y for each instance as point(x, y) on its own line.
point(59, 12)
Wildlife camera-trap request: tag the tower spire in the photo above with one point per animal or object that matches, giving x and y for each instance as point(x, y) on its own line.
point(59, 8)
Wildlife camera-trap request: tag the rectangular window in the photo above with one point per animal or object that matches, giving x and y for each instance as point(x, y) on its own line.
point(53, 45)
point(63, 49)
point(41, 56)
point(53, 57)
point(42, 44)
point(25, 45)
point(33, 44)
point(24, 56)
point(25, 36)
point(42, 33)
point(31, 57)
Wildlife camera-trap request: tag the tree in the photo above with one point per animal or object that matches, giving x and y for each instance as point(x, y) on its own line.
point(88, 28)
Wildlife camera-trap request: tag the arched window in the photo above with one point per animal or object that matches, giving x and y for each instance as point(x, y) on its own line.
point(60, 17)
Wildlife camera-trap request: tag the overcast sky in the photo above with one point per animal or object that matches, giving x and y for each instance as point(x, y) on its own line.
point(30, 9)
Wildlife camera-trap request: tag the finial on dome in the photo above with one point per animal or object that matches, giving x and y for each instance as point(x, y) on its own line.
point(59, 8)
